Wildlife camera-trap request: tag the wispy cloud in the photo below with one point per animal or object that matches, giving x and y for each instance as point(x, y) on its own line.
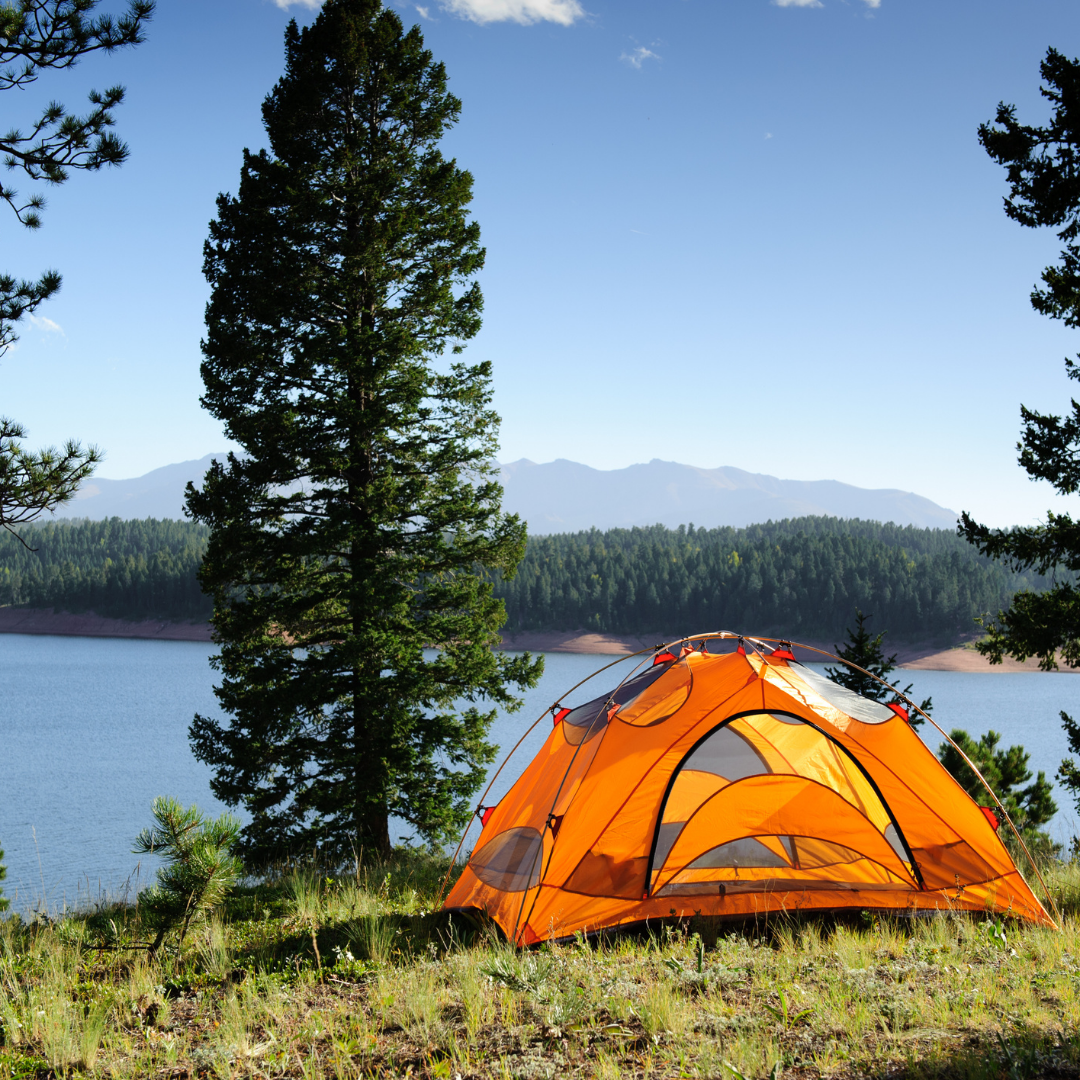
point(639, 56)
point(526, 12)
point(563, 12)
point(873, 4)
point(47, 325)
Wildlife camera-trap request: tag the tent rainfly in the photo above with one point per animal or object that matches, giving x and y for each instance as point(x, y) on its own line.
point(732, 785)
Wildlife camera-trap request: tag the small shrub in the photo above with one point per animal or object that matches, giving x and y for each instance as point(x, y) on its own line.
point(199, 870)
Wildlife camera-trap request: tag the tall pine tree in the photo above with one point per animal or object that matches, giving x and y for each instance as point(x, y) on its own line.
point(1043, 171)
point(1041, 166)
point(359, 529)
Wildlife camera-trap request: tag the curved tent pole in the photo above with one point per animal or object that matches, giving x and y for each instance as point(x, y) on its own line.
point(555, 801)
point(528, 731)
point(967, 761)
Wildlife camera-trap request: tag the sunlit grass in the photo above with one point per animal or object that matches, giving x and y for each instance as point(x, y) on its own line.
point(310, 975)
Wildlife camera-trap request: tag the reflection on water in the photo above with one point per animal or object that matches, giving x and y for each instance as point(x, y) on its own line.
point(92, 729)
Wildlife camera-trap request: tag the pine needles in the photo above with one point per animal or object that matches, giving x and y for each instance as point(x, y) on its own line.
point(199, 870)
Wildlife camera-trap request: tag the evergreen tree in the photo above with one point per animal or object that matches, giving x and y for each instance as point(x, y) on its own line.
point(35, 36)
point(1044, 181)
point(199, 871)
point(1068, 774)
point(361, 527)
point(1005, 771)
point(864, 650)
point(3, 875)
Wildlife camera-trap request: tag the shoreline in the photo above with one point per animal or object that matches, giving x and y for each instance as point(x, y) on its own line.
point(917, 657)
point(45, 621)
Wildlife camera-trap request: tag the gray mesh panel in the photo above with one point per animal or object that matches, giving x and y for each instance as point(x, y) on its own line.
point(669, 833)
point(511, 861)
point(894, 839)
point(726, 753)
point(747, 853)
point(847, 701)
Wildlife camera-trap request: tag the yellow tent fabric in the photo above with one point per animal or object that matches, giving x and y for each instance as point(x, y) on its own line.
point(731, 785)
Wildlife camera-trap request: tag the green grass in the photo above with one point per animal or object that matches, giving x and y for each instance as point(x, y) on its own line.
point(307, 976)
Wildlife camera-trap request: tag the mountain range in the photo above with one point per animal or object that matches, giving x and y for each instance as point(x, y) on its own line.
point(565, 496)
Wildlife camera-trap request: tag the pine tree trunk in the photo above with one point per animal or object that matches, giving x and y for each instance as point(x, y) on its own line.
point(376, 827)
point(370, 779)
point(372, 824)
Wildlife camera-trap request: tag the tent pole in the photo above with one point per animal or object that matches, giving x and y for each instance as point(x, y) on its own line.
point(970, 764)
point(528, 731)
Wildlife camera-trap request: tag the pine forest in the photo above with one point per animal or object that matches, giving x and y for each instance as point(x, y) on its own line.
point(800, 577)
point(118, 569)
point(797, 577)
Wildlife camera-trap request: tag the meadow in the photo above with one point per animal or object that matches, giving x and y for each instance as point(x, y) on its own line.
point(312, 976)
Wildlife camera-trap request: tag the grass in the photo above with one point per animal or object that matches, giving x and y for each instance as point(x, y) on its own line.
point(312, 977)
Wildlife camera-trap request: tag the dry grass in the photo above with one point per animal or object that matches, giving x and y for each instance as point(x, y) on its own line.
point(310, 977)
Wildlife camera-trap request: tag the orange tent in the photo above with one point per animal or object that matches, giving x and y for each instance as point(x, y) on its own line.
point(731, 785)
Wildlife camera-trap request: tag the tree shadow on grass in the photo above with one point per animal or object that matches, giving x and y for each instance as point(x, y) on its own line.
point(1017, 1053)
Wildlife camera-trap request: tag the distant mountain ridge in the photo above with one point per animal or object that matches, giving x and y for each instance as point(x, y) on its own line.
point(157, 494)
point(565, 496)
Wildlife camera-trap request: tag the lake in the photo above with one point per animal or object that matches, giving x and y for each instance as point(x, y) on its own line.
point(92, 729)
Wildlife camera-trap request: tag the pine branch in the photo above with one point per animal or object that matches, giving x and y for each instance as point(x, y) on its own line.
point(32, 484)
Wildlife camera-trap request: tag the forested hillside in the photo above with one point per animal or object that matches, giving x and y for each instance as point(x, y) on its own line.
point(798, 577)
point(119, 569)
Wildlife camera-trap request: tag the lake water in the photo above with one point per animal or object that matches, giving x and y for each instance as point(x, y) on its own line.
point(92, 729)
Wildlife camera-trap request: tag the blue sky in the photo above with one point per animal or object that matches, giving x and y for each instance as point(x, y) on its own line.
point(722, 232)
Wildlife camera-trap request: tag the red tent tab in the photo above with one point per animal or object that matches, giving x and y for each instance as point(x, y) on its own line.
point(782, 653)
point(899, 710)
point(991, 817)
point(662, 658)
point(484, 812)
point(561, 715)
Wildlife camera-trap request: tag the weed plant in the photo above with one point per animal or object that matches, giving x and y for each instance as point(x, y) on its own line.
point(309, 975)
